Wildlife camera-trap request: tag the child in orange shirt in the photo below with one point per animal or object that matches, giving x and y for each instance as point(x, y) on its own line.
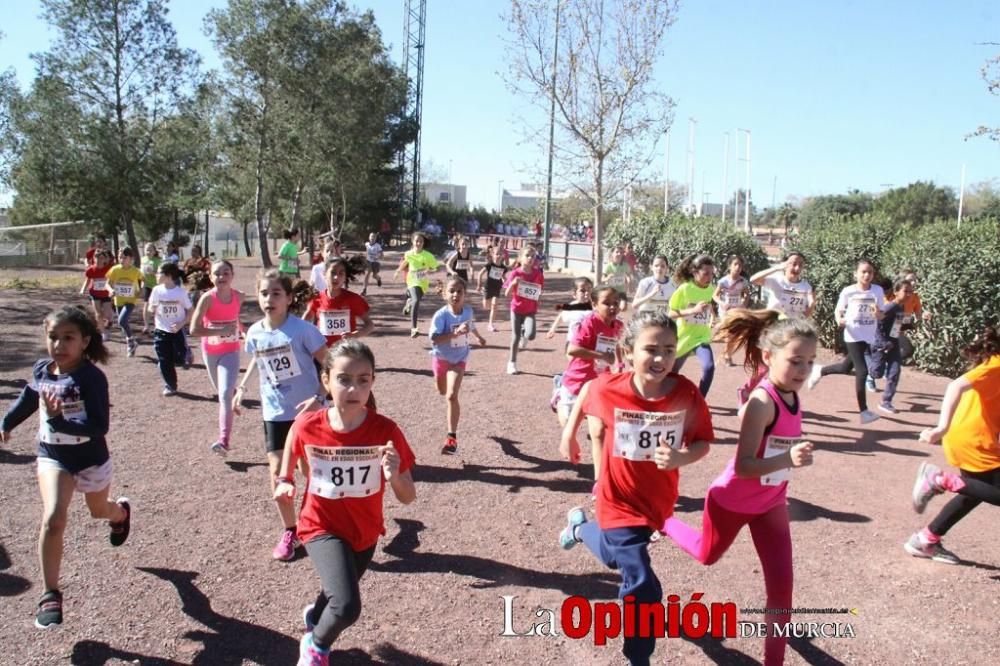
point(969, 426)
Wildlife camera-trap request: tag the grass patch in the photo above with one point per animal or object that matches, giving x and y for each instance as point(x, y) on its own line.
point(56, 282)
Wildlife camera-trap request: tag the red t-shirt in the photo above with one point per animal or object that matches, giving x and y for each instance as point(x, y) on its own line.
point(632, 491)
point(337, 316)
point(343, 497)
point(593, 334)
point(91, 251)
point(96, 275)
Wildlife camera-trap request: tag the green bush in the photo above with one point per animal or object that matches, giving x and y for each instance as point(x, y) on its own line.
point(678, 236)
point(832, 252)
point(957, 271)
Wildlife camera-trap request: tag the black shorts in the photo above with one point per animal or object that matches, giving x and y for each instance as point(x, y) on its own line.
point(375, 266)
point(275, 434)
point(100, 300)
point(492, 289)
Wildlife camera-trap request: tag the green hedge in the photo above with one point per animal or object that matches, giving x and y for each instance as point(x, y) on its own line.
point(958, 271)
point(678, 236)
point(832, 252)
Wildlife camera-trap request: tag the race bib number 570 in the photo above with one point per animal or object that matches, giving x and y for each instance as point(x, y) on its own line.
point(344, 471)
point(636, 433)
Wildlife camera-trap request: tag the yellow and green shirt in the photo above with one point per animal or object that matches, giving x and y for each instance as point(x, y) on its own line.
point(419, 263)
point(125, 284)
point(692, 330)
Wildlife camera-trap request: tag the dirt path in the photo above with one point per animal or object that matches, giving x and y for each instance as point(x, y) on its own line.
point(195, 583)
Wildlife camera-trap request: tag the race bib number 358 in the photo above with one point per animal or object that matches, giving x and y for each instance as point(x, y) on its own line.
point(344, 471)
point(636, 433)
point(334, 322)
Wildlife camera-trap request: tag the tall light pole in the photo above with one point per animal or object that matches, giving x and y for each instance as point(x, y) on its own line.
point(666, 177)
point(552, 137)
point(961, 198)
point(500, 197)
point(690, 175)
point(725, 176)
point(746, 192)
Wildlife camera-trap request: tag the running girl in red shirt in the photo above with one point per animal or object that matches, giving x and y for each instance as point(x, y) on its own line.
point(336, 310)
point(96, 285)
point(751, 490)
point(644, 425)
point(524, 286)
point(349, 450)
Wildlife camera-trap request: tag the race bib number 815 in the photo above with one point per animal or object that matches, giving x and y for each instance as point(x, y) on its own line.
point(636, 433)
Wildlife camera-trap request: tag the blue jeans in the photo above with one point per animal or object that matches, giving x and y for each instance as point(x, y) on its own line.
point(625, 549)
point(124, 312)
point(170, 350)
point(707, 360)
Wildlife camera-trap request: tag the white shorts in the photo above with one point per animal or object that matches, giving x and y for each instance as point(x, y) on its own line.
point(566, 400)
point(89, 480)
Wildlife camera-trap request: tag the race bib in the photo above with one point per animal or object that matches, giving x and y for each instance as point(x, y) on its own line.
point(496, 273)
point(463, 265)
point(777, 446)
point(124, 289)
point(897, 327)
point(636, 433)
point(461, 340)
point(278, 363)
point(616, 280)
point(334, 322)
point(72, 411)
point(701, 318)
point(734, 299)
point(99, 284)
point(224, 339)
point(793, 302)
point(149, 269)
point(419, 274)
point(529, 290)
point(908, 319)
point(861, 311)
point(606, 344)
point(170, 310)
point(344, 471)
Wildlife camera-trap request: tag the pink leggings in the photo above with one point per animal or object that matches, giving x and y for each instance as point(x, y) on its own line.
point(773, 541)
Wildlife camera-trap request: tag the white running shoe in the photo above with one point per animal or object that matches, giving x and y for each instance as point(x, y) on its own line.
point(814, 376)
point(868, 416)
point(511, 368)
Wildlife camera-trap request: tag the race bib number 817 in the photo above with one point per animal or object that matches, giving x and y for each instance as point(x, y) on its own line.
point(344, 471)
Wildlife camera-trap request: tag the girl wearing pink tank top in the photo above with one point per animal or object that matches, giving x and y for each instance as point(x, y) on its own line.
point(217, 320)
point(751, 489)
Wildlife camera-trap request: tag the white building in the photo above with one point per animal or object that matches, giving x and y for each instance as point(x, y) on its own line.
point(530, 196)
point(444, 193)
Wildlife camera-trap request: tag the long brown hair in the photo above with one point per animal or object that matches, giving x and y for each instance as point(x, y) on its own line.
point(757, 330)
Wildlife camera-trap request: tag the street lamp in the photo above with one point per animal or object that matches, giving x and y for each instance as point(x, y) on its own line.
point(746, 191)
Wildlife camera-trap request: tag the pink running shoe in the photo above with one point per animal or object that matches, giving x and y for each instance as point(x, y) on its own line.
point(285, 550)
point(309, 655)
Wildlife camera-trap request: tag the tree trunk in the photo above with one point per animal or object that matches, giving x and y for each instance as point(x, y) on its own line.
point(265, 254)
point(296, 205)
point(598, 167)
point(246, 237)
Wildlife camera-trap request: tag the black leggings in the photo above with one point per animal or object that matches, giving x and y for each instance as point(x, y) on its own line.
point(338, 605)
point(979, 487)
point(416, 293)
point(855, 360)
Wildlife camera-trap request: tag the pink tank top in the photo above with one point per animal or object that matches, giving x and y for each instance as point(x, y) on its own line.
point(221, 313)
point(758, 496)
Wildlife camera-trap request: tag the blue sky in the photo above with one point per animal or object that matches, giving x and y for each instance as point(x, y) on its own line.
point(837, 95)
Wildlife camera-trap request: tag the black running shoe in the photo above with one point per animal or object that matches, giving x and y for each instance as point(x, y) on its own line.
point(119, 531)
point(49, 612)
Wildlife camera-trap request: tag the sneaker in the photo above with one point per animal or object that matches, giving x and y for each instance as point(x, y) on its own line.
point(131, 345)
point(119, 531)
point(935, 551)
point(414, 332)
point(450, 446)
point(814, 376)
point(406, 308)
point(925, 487)
point(307, 618)
point(49, 612)
point(285, 550)
point(493, 328)
point(870, 384)
point(310, 655)
point(167, 391)
point(574, 518)
point(511, 368)
point(220, 447)
point(378, 280)
point(868, 416)
point(888, 408)
point(188, 358)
